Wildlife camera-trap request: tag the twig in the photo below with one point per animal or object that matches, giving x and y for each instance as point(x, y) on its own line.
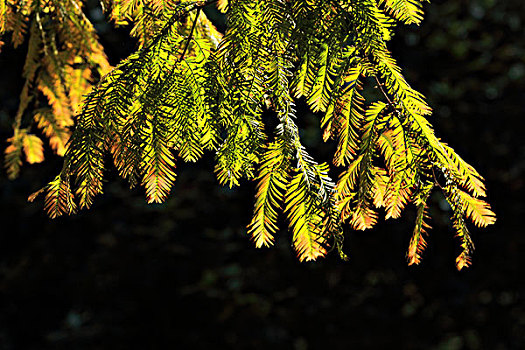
point(191, 34)
point(384, 93)
point(436, 180)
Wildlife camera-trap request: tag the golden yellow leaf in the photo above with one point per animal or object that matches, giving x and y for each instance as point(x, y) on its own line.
point(13, 156)
point(380, 186)
point(222, 5)
point(33, 148)
point(463, 260)
point(477, 210)
point(3, 17)
point(59, 198)
point(363, 218)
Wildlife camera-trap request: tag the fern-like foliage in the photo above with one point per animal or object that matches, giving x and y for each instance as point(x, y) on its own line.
point(63, 60)
point(189, 89)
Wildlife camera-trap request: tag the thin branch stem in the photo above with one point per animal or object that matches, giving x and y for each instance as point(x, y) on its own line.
point(436, 180)
point(384, 93)
point(191, 34)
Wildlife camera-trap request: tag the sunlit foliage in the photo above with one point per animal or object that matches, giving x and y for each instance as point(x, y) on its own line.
point(63, 58)
point(189, 89)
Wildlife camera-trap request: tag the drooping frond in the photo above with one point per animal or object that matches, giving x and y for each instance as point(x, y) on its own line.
point(417, 242)
point(469, 177)
point(59, 198)
point(270, 193)
point(459, 208)
point(3, 16)
point(63, 56)
point(22, 143)
point(56, 130)
point(464, 258)
point(13, 154)
point(222, 5)
point(345, 188)
point(319, 95)
point(406, 11)
point(158, 163)
point(397, 158)
point(364, 215)
point(310, 198)
point(412, 101)
point(33, 148)
point(241, 108)
point(346, 116)
point(477, 210)
point(305, 220)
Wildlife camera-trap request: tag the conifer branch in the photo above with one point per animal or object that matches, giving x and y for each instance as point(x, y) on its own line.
point(188, 89)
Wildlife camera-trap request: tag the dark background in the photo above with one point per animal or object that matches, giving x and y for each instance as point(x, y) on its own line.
point(127, 275)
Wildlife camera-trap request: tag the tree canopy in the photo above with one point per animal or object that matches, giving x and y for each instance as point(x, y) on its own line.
point(189, 89)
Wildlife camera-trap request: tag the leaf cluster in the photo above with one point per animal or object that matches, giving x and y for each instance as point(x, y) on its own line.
point(63, 59)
